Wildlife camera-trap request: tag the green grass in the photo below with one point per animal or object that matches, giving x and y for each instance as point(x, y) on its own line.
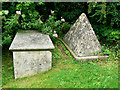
point(65, 73)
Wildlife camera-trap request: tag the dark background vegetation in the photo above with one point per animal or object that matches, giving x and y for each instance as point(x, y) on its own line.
point(104, 17)
point(66, 72)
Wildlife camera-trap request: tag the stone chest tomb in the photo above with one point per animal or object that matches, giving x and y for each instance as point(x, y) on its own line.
point(31, 53)
point(81, 40)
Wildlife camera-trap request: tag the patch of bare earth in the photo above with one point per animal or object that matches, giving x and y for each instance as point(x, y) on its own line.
point(62, 50)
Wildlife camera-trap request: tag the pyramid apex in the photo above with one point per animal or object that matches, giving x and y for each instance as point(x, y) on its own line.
point(83, 14)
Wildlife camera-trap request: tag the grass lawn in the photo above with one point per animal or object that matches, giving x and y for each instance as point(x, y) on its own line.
point(65, 72)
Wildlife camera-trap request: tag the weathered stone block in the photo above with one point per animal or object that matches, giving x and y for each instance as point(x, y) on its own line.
point(81, 39)
point(31, 53)
point(31, 62)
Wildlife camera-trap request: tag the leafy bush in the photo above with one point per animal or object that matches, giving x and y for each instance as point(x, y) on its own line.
point(105, 18)
point(107, 13)
point(12, 25)
point(107, 35)
point(113, 52)
point(36, 16)
point(70, 10)
point(9, 27)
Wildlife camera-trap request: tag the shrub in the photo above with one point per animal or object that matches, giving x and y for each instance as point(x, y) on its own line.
point(106, 13)
point(107, 35)
point(70, 10)
point(15, 23)
point(104, 18)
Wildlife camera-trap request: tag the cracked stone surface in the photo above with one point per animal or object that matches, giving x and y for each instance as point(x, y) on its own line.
point(31, 40)
point(81, 38)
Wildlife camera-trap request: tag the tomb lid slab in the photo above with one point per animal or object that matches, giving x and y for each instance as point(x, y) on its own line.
point(31, 40)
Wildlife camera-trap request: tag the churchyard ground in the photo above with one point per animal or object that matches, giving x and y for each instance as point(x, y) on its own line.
point(66, 72)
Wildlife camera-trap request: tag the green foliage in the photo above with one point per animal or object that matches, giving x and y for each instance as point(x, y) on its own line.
point(5, 12)
point(50, 26)
point(107, 13)
point(64, 28)
point(7, 69)
point(67, 52)
point(107, 35)
point(0, 40)
point(112, 51)
point(29, 14)
point(9, 27)
point(70, 10)
point(36, 16)
point(65, 73)
point(12, 22)
point(29, 18)
point(118, 53)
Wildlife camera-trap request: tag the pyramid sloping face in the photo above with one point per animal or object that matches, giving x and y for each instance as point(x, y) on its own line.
point(81, 38)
